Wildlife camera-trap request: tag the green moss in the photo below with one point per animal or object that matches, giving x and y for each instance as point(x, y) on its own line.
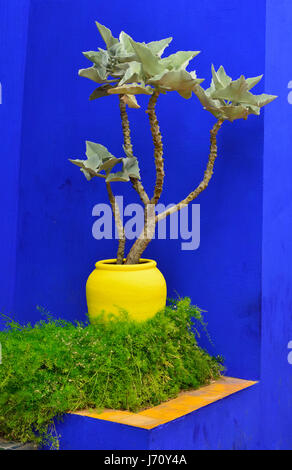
point(57, 366)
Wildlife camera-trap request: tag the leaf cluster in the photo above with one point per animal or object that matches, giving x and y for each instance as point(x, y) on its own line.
point(128, 68)
point(229, 99)
point(100, 160)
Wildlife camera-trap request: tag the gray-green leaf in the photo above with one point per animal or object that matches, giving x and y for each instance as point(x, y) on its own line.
point(158, 47)
point(229, 100)
point(130, 170)
point(179, 60)
point(93, 74)
point(236, 92)
point(177, 80)
point(98, 159)
point(133, 73)
point(150, 62)
point(106, 35)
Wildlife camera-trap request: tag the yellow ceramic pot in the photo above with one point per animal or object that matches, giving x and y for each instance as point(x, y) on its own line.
point(140, 289)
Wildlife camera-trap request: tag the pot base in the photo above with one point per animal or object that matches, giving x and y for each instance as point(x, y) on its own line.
point(138, 289)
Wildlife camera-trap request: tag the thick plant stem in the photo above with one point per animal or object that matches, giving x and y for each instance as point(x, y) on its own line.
point(149, 228)
point(125, 126)
point(119, 224)
point(137, 185)
point(139, 188)
point(158, 148)
point(145, 238)
point(207, 175)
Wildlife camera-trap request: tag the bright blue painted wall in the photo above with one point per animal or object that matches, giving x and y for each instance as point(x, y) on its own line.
point(84, 433)
point(276, 376)
point(244, 262)
point(56, 251)
point(13, 46)
point(228, 424)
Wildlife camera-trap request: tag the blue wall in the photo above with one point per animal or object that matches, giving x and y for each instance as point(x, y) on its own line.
point(13, 46)
point(227, 424)
point(276, 376)
point(56, 250)
point(239, 268)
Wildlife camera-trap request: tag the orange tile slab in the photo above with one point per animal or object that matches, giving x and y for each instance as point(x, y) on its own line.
point(185, 403)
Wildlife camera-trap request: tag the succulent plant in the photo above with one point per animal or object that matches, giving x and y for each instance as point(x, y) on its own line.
point(229, 99)
point(128, 68)
point(137, 68)
point(99, 160)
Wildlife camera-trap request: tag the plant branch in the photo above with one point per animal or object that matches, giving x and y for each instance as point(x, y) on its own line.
point(145, 237)
point(125, 125)
point(137, 185)
point(119, 224)
point(149, 214)
point(158, 147)
point(149, 220)
point(207, 175)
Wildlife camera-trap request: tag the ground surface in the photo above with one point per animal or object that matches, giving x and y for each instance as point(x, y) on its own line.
point(7, 445)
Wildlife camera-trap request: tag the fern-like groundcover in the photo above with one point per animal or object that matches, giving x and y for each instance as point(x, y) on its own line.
point(56, 366)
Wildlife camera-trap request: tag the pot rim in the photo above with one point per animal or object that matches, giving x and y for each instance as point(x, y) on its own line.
point(108, 265)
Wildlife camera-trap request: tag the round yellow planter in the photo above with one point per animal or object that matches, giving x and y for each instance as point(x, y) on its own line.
point(140, 289)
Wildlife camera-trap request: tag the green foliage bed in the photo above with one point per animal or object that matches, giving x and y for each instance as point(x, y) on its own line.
point(57, 366)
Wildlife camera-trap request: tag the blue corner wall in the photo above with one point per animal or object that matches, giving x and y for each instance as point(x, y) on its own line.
point(241, 272)
point(228, 424)
point(13, 48)
point(83, 433)
point(276, 372)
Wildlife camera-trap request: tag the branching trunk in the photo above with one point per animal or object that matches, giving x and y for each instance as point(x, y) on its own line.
point(137, 185)
point(119, 224)
point(145, 238)
point(207, 176)
point(139, 188)
point(149, 221)
point(135, 182)
point(143, 241)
